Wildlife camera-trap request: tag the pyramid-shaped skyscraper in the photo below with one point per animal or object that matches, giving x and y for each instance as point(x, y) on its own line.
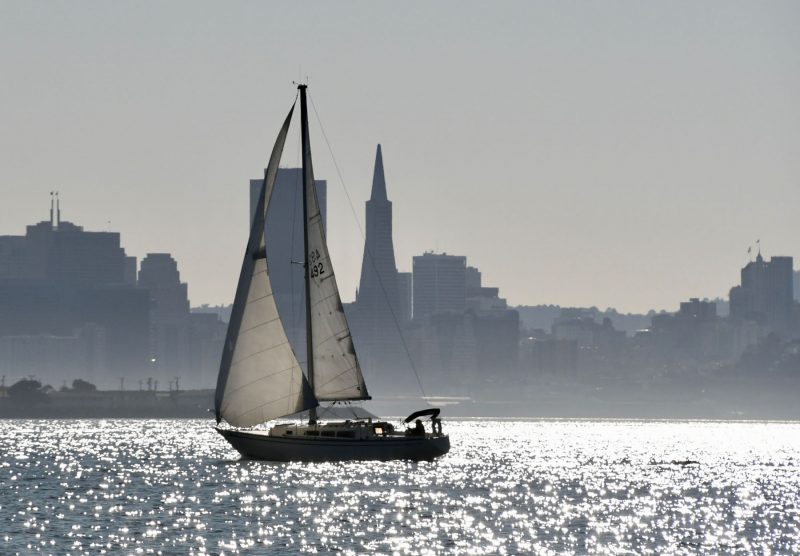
point(378, 314)
point(378, 270)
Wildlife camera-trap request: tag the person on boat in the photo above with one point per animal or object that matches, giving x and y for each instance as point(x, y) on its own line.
point(417, 430)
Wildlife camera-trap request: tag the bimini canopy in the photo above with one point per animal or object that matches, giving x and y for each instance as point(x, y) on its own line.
point(433, 412)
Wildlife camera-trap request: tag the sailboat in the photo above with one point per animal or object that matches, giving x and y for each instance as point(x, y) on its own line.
point(261, 378)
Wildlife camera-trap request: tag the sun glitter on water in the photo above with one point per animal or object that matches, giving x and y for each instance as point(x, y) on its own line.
point(546, 487)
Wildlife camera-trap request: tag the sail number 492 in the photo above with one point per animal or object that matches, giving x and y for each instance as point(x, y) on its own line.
point(316, 268)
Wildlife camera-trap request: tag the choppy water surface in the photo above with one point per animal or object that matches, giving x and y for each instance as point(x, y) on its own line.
point(176, 487)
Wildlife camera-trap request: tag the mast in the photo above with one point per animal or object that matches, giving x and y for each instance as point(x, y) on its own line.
point(307, 177)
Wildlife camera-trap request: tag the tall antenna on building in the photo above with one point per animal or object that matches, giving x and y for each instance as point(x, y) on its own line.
point(52, 222)
point(58, 210)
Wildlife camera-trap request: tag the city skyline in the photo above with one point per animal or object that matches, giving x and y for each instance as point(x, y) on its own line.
point(631, 170)
point(75, 304)
point(286, 175)
point(752, 254)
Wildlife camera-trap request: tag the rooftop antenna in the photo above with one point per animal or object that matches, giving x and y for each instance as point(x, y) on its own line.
point(58, 210)
point(52, 223)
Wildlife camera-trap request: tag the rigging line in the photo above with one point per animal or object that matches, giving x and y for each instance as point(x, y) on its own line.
point(367, 251)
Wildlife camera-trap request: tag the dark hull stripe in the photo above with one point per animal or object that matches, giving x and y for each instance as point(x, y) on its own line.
point(273, 448)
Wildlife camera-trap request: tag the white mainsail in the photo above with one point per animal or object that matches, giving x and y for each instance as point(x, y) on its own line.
point(337, 375)
point(260, 377)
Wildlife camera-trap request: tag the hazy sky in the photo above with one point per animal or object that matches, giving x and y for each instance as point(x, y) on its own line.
point(617, 154)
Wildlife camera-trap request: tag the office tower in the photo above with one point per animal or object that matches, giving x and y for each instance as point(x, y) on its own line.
point(378, 285)
point(169, 314)
point(797, 285)
point(67, 301)
point(379, 311)
point(405, 293)
point(439, 284)
point(473, 281)
point(59, 252)
point(766, 292)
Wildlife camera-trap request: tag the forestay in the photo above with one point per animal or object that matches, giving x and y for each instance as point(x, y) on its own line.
point(260, 377)
point(337, 375)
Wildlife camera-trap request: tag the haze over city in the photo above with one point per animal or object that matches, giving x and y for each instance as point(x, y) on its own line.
point(631, 170)
point(524, 280)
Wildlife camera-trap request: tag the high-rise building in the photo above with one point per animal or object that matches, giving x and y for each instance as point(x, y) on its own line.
point(64, 290)
point(60, 252)
point(207, 338)
point(766, 294)
point(694, 309)
point(472, 279)
point(405, 293)
point(797, 285)
point(463, 334)
point(378, 284)
point(378, 311)
point(694, 334)
point(169, 314)
point(283, 231)
point(440, 282)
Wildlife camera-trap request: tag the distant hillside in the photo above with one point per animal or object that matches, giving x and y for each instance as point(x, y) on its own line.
point(543, 316)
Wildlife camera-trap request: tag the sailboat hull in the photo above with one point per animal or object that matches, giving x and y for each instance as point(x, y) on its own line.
point(259, 445)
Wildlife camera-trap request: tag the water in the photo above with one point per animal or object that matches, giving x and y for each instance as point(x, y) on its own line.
point(516, 487)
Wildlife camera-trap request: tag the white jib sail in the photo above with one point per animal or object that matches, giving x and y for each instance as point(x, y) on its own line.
point(260, 377)
point(337, 375)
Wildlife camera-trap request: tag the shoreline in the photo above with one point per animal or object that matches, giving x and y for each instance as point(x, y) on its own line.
point(777, 403)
